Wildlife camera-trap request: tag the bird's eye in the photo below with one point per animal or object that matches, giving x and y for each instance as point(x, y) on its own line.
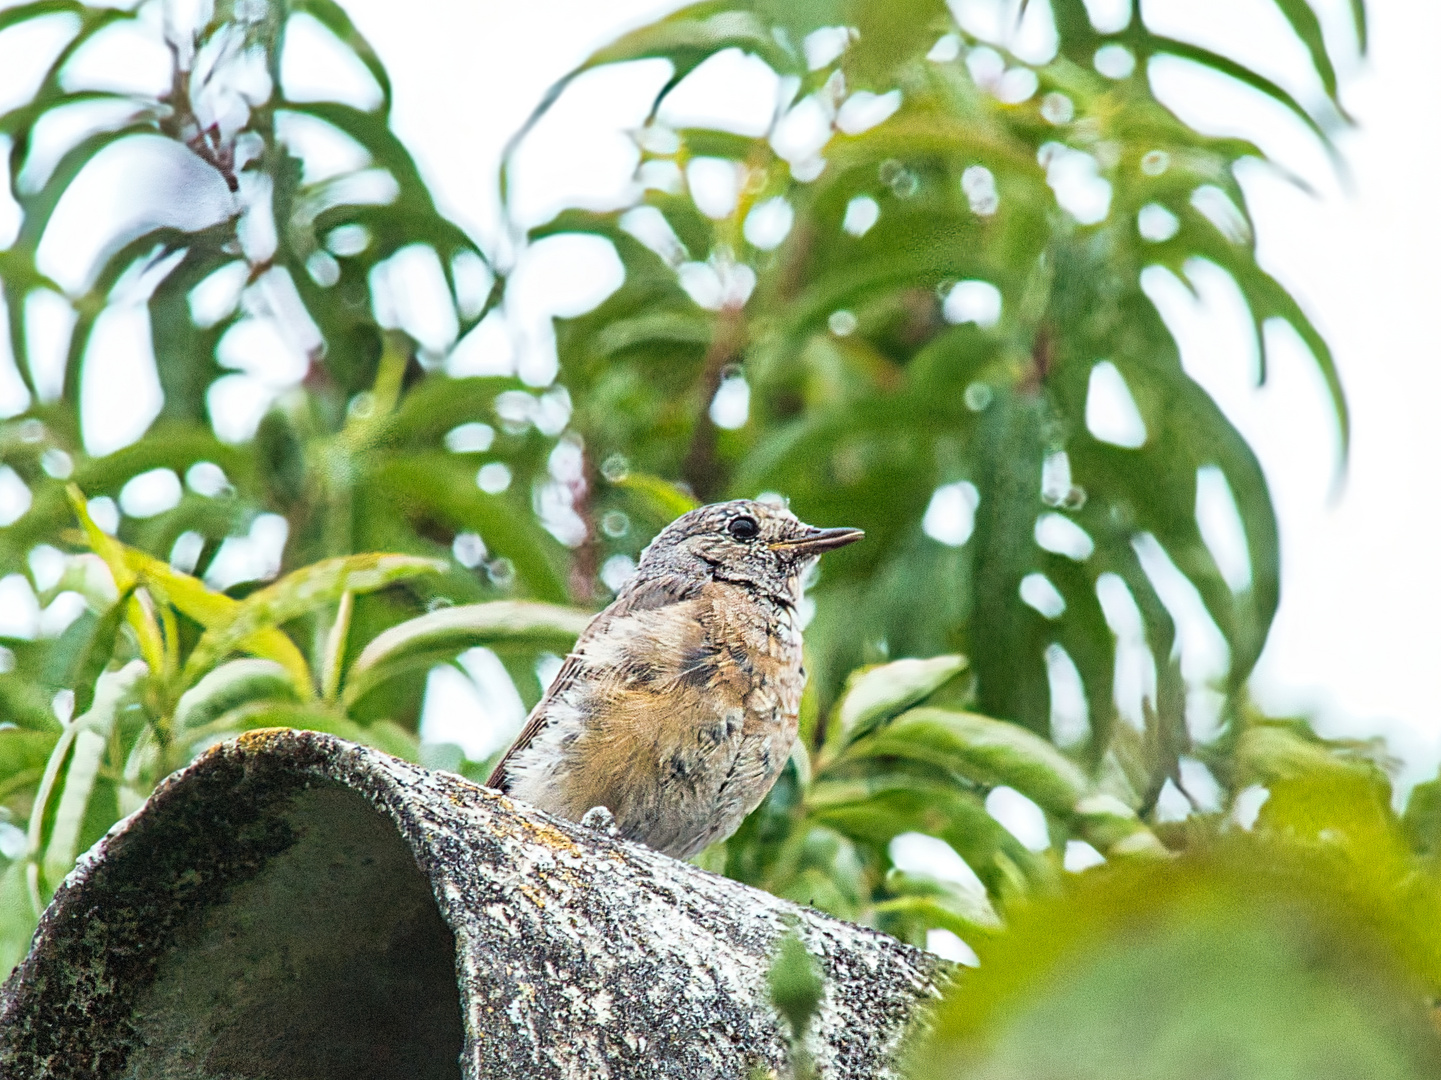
point(744, 528)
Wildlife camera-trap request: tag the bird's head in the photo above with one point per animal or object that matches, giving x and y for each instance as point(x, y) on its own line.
point(761, 544)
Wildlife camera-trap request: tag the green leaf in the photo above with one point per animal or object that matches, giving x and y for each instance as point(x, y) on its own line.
point(23, 755)
point(17, 916)
point(1422, 820)
point(1358, 16)
point(441, 635)
point(1341, 809)
point(884, 803)
point(212, 610)
point(1252, 961)
point(796, 984)
point(1113, 828)
point(662, 498)
point(80, 774)
point(185, 353)
point(232, 684)
point(71, 772)
point(990, 752)
point(876, 693)
point(174, 445)
point(946, 904)
point(96, 655)
point(299, 593)
point(439, 403)
point(40, 207)
point(892, 32)
point(25, 12)
point(1270, 752)
point(1226, 66)
point(439, 486)
point(1307, 26)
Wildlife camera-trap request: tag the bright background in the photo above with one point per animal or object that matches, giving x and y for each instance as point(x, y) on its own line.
point(1357, 639)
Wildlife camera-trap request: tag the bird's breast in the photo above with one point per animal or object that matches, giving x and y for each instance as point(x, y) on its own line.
point(679, 719)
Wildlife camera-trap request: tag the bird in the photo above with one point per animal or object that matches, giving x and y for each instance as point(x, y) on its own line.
point(677, 709)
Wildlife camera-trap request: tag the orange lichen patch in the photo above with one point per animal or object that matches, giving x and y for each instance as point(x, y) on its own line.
point(520, 827)
point(259, 740)
point(567, 875)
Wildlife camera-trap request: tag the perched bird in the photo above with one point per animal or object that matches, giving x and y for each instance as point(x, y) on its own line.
point(677, 709)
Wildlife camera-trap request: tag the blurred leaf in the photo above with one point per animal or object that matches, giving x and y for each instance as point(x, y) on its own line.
point(1422, 821)
point(879, 807)
point(437, 486)
point(17, 916)
point(991, 752)
point(964, 912)
point(1307, 26)
point(441, 635)
point(69, 778)
point(333, 17)
point(22, 752)
point(664, 499)
point(97, 653)
point(1251, 962)
point(1267, 753)
point(299, 593)
point(876, 693)
point(232, 684)
point(891, 33)
point(1113, 828)
point(796, 990)
point(1344, 810)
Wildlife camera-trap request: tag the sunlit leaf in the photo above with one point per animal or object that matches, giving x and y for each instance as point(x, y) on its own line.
point(300, 593)
point(424, 641)
point(70, 775)
point(1254, 961)
point(992, 752)
point(875, 693)
point(229, 686)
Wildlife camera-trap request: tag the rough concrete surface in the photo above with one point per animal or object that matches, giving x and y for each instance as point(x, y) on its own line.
point(296, 907)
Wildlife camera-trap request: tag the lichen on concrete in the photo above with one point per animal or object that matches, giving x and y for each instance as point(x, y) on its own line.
point(293, 905)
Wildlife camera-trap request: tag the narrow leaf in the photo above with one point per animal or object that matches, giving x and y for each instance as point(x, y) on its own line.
point(189, 595)
point(872, 694)
point(228, 687)
point(663, 498)
point(80, 774)
point(991, 752)
point(300, 593)
point(1226, 66)
point(112, 690)
point(440, 635)
point(1307, 26)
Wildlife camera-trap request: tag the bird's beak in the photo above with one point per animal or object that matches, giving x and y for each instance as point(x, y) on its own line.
point(815, 541)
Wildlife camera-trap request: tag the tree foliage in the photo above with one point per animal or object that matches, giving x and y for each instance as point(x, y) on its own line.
point(928, 280)
point(1305, 945)
point(947, 289)
point(354, 457)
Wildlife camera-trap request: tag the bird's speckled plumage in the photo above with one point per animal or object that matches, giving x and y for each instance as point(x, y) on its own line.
point(677, 709)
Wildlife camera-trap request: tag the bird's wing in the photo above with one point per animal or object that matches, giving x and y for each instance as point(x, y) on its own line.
point(537, 719)
point(643, 596)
